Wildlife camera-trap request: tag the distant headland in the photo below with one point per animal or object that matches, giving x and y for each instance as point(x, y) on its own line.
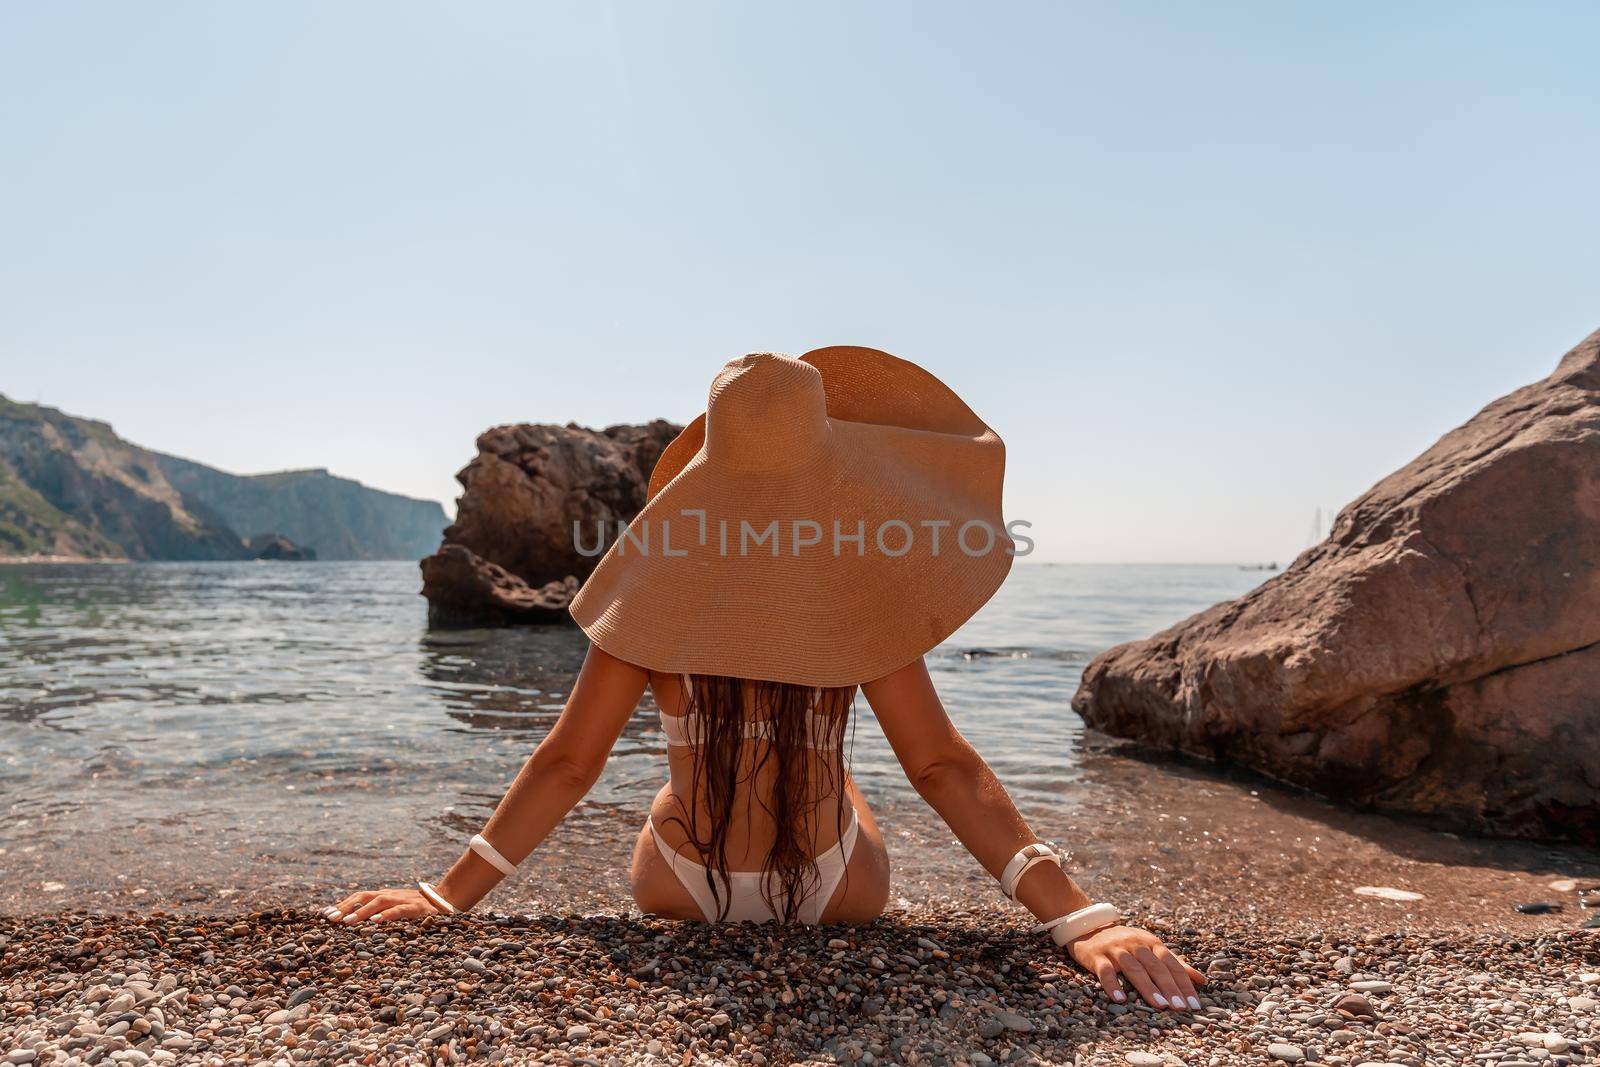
point(72, 490)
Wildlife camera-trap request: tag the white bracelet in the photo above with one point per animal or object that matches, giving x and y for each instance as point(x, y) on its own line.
point(436, 898)
point(1078, 923)
point(1027, 858)
point(490, 855)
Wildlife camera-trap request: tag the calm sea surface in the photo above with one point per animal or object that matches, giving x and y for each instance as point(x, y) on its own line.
point(204, 718)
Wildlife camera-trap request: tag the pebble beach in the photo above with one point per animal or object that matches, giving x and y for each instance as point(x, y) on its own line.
point(945, 985)
point(178, 817)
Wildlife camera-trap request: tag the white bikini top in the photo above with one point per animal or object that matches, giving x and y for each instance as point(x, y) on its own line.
point(685, 730)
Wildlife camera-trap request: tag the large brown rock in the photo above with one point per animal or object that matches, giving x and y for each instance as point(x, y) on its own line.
point(466, 590)
point(1438, 654)
point(510, 556)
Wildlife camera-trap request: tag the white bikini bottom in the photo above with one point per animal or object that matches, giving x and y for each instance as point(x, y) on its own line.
point(743, 895)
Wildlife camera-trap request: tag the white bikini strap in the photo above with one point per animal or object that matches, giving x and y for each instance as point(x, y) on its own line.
point(683, 730)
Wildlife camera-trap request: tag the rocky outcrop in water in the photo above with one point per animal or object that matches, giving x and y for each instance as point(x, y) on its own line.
point(1438, 654)
point(464, 589)
point(510, 556)
point(276, 546)
point(339, 517)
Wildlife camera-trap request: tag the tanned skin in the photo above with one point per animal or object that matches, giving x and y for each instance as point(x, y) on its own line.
point(947, 772)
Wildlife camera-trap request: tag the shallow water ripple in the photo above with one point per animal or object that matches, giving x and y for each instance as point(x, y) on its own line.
point(302, 714)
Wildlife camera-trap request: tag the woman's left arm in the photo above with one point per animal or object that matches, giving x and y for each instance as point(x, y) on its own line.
point(561, 770)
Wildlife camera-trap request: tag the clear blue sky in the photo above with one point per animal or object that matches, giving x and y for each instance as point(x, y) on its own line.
point(1206, 267)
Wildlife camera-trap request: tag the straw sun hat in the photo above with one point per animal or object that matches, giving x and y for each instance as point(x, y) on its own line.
point(828, 520)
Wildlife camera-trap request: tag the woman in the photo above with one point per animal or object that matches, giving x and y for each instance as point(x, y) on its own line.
point(824, 524)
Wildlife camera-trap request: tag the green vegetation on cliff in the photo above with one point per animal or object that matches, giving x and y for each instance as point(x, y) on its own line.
point(70, 486)
point(30, 525)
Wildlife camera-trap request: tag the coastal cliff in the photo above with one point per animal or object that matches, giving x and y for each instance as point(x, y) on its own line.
point(1439, 654)
point(339, 517)
point(510, 557)
point(71, 488)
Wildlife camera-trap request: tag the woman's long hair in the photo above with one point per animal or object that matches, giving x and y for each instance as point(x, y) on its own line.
point(805, 764)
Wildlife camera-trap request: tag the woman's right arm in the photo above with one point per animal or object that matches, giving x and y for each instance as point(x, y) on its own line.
point(957, 783)
point(554, 778)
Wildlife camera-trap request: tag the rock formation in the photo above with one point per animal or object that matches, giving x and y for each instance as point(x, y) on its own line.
point(1439, 654)
point(464, 589)
point(510, 556)
point(277, 546)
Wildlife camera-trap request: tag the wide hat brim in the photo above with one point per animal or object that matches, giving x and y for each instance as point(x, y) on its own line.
point(901, 461)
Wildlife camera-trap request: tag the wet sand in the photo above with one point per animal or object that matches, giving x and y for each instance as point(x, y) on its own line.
point(1165, 839)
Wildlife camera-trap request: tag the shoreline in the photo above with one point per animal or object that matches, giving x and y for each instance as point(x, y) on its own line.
point(942, 984)
point(1170, 839)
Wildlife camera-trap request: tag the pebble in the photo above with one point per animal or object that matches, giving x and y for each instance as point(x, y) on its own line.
point(1385, 892)
point(287, 1015)
point(1012, 1021)
point(1355, 1004)
point(922, 986)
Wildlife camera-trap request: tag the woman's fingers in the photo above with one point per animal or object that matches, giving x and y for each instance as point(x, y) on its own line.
point(1196, 977)
point(1106, 971)
point(380, 906)
point(349, 904)
point(1130, 966)
point(1162, 977)
point(1169, 959)
point(376, 903)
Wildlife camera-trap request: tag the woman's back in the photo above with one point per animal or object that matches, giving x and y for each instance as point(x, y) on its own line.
point(758, 794)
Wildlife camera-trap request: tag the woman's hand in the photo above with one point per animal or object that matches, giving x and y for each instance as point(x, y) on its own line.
point(1160, 975)
point(383, 906)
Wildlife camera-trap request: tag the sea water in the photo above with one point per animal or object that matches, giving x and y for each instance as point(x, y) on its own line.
point(178, 724)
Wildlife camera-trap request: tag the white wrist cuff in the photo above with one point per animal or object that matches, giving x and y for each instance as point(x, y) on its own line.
point(1076, 924)
point(490, 855)
point(436, 898)
point(1027, 858)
